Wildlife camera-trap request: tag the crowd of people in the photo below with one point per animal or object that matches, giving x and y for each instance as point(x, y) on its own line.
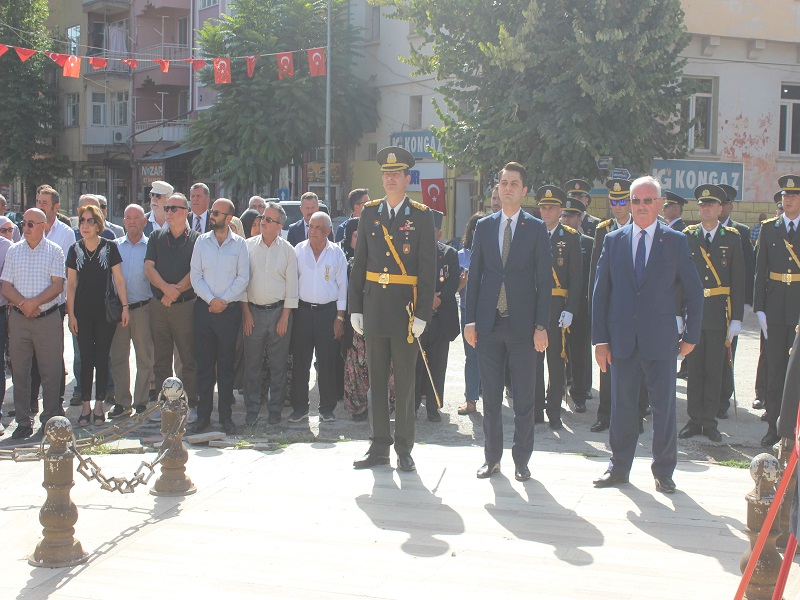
point(226, 302)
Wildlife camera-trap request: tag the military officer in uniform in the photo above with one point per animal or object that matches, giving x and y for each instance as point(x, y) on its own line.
point(393, 271)
point(579, 341)
point(443, 327)
point(776, 302)
point(565, 246)
point(579, 189)
point(619, 198)
point(673, 210)
point(717, 256)
point(749, 275)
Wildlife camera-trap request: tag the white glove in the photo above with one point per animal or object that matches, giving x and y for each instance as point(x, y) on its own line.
point(565, 320)
point(679, 321)
point(357, 321)
point(734, 329)
point(762, 320)
point(418, 327)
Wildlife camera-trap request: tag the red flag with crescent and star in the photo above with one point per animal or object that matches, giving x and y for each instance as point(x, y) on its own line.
point(285, 64)
point(251, 65)
point(24, 53)
point(433, 194)
point(98, 63)
point(72, 67)
point(57, 58)
point(316, 62)
point(131, 62)
point(3, 49)
point(222, 70)
point(163, 64)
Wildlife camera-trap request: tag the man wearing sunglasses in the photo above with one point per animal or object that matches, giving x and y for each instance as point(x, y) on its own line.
point(156, 218)
point(14, 235)
point(642, 270)
point(115, 229)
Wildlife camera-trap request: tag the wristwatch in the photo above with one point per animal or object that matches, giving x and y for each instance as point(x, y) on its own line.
point(340, 318)
point(540, 328)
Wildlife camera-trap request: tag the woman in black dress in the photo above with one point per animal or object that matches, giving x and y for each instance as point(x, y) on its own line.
point(88, 264)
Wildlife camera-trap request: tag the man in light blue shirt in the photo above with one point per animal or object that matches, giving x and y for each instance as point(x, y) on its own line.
point(220, 271)
point(132, 248)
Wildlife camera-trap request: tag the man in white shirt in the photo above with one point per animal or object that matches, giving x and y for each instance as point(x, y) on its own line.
point(319, 319)
point(267, 313)
point(157, 218)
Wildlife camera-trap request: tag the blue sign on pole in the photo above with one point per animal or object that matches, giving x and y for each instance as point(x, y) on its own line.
point(603, 162)
point(620, 174)
point(283, 194)
point(683, 176)
point(416, 142)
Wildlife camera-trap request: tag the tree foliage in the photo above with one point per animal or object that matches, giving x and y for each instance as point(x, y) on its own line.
point(29, 117)
point(259, 124)
point(554, 84)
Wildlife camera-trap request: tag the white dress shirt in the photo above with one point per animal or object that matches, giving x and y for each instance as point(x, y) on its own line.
point(322, 280)
point(220, 270)
point(273, 272)
point(503, 224)
point(713, 232)
point(796, 222)
point(156, 226)
point(193, 221)
point(62, 235)
point(648, 241)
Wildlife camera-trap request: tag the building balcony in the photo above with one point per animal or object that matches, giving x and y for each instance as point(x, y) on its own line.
point(107, 7)
point(113, 67)
point(160, 131)
point(106, 135)
point(174, 53)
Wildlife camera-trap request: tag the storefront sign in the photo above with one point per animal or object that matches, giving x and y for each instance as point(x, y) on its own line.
point(416, 142)
point(316, 172)
point(424, 171)
point(150, 172)
point(683, 176)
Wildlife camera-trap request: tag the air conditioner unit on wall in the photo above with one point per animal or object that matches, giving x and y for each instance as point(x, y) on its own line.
point(120, 135)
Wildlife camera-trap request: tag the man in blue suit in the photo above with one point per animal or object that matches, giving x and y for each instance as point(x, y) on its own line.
point(641, 269)
point(507, 312)
point(298, 231)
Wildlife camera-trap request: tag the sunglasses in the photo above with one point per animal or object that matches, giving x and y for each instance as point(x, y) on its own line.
point(267, 219)
point(104, 206)
point(647, 201)
point(154, 195)
point(174, 208)
point(32, 224)
point(88, 220)
point(7, 229)
point(217, 213)
point(618, 202)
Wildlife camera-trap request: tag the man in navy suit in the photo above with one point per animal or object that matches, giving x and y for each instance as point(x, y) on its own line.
point(634, 325)
point(508, 308)
point(298, 231)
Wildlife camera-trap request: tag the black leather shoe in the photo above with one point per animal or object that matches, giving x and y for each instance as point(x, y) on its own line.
point(228, 427)
point(370, 459)
point(609, 479)
point(764, 418)
point(580, 407)
point(599, 426)
point(665, 485)
point(556, 424)
point(274, 417)
point(712, 433)
point(22, 432)
point(434, 416)
point(723, 414)
point(522, 473)
point(690, 430)
point(487, 470)
point(769, 440)
point(758, 404)
point(201, 425)
point(406, 463)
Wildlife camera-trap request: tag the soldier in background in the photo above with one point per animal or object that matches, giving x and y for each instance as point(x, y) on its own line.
point(673, 209)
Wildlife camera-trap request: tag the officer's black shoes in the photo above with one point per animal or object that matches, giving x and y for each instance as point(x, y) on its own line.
point(599, 426)
point(580, 407)
point(610, 479)
point(555, 424)
point(758, 404)
point(665, 485)
point(690, 430)
point(487, 470)
point(522, 473)
point(434, 416)
point(371, 459)
point(723, 414)
point(641, 426)
point(201, 425)
point(712, 433)
point(406, 463)
point(769, 440)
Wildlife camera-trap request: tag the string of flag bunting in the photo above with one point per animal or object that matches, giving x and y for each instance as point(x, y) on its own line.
point(71, 63)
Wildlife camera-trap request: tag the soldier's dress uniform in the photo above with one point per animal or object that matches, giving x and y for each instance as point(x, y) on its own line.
point(672, 198)
point(566, 296)
point(618, 190)
point(579, 189)
point(442, 329)
point(720, 265)
point(749, 275)
point(777, 295)
point(579, 340)
point(394, 266)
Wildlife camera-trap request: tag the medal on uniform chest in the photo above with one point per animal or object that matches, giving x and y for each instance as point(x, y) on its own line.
point(406, 248)
point(327, 272)
point(560, 247)
point(724, 250)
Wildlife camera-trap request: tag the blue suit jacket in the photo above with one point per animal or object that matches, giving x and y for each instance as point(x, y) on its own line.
point(528, 275)
point(626, 316)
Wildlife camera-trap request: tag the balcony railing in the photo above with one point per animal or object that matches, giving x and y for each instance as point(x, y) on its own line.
point(157, 131)
point(109, 6)
point(171, 52)
point(114, 65)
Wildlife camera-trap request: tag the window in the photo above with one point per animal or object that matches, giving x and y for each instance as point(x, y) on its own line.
point(97, 38)
point(372, 151)
point(183, 32)
point(73, 39)
point(700, 106)
point(119, 108)
point(72, 107)
point(373, 24)
point(789, 138)
point(415, 112)
point(98, 108)
point(208, 3)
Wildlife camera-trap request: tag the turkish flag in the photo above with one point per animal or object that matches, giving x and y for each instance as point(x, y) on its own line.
point(57, 58)
point(131, 62)
point(222, 70)
point(316, 62)
point(197, 63)
point(285, 65)
point(163, 64)
point(433, 194)
point(72, 67)
point(24, 53)
point(98, 63)
point(3, 49)
point(251, 65)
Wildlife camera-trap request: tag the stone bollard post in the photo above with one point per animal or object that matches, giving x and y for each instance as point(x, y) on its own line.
point(765, 471)
point(58, 515)
point(173, 480)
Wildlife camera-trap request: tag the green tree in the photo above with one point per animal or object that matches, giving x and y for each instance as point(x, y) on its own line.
point(28, 99)
point(258, 125)
point(553, 83)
